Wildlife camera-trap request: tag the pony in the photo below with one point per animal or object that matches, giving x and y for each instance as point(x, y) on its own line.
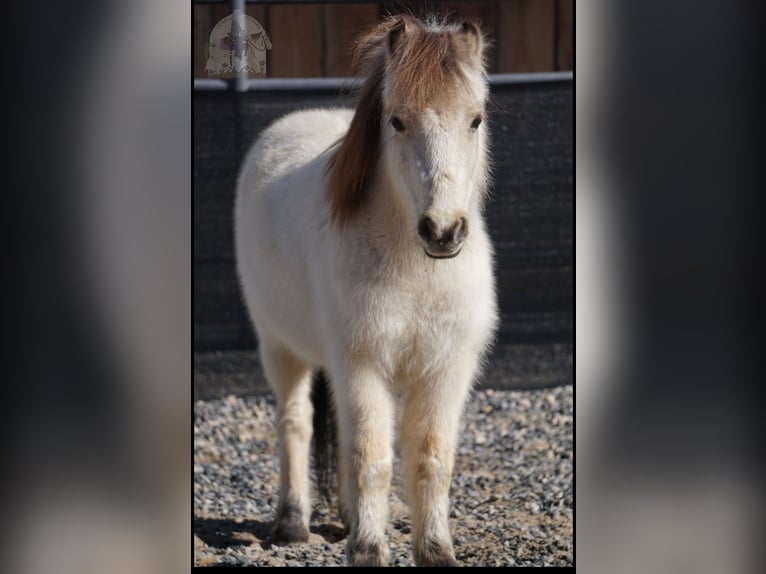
point(362, 252)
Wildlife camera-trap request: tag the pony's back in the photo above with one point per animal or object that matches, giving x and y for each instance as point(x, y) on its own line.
point(291, 141)
point(278, 218)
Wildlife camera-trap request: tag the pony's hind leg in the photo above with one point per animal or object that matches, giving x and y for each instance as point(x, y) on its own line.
point(291, 381)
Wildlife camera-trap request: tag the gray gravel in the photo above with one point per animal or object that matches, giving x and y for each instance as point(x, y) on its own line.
point(511, 495)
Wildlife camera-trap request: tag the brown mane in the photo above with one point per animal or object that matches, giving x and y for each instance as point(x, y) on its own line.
point(425, 66)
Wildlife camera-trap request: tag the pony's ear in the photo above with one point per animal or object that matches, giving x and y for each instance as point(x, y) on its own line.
point(472, 41)
point(401, 27)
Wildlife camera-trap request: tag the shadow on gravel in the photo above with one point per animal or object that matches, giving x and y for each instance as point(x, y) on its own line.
point(224, 533)
point(330, 532)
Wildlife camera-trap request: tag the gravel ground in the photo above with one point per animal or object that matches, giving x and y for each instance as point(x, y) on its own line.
point(511, 495)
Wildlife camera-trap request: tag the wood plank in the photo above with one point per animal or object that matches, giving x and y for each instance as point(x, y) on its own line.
point(217, 13)
point(564, 34)
point(341, 26)
point(296, 40)
point(258, 12)
point(526, 36)
point(203, 25)
point(482, 12)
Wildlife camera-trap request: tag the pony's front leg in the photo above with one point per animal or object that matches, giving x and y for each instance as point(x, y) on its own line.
point(365, 419)
point(430, 425)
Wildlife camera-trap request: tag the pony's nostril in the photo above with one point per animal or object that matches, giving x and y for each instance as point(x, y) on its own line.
point(459, 230)
point(427, 228)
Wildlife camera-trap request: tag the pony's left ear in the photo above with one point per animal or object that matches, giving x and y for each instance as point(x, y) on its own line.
point(400, 28)
point(472, 41)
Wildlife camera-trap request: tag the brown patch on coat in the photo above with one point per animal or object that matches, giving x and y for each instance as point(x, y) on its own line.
point(433, 447)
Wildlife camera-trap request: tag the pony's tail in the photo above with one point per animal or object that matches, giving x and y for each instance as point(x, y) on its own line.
point(325, 439)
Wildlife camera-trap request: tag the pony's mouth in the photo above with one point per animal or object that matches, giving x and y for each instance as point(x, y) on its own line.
point(444, 255)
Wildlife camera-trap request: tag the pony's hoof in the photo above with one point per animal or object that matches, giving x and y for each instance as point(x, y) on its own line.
point(366, 554)
point(434, 554)
point(290, 533)
point(445, 561)
point(289, 527)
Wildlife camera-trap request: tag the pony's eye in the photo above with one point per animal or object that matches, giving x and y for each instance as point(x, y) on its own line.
point(397, 124)
point(476, 122)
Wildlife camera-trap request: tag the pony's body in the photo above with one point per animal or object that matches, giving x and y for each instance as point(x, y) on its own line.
point(327, 292)
point(353, 293)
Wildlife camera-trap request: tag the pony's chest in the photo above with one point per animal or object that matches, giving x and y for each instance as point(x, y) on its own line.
point(406, 324)
point(424, 316)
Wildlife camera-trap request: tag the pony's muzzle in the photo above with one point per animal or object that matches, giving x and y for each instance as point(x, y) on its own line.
point(442, 241)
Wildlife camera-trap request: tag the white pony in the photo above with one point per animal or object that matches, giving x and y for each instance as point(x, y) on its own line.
point(362, 251)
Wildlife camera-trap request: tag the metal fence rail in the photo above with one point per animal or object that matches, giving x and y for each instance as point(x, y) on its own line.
point(269, 84)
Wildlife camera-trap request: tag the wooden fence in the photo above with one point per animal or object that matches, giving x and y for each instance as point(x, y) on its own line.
point(313, 40)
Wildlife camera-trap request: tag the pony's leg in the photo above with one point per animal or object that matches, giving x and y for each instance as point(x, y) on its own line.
point(291, 381)
point(429, 426)
point(365, 417)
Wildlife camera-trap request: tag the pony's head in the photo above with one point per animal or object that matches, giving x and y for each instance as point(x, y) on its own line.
point(420, 118)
